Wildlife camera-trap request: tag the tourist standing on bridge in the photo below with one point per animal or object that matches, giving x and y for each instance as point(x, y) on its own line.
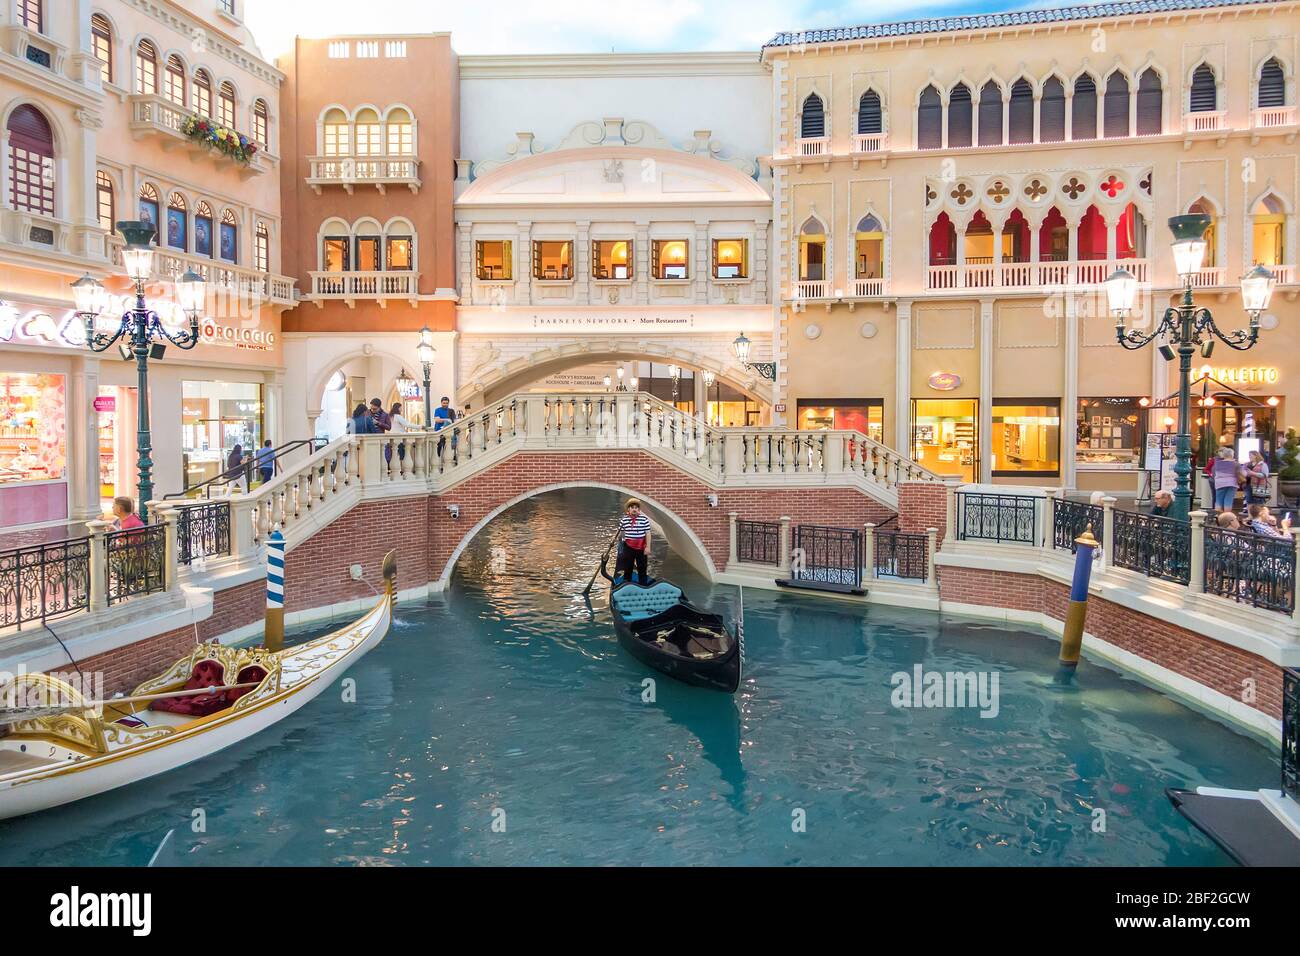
point(634, 532)
point(266, 461)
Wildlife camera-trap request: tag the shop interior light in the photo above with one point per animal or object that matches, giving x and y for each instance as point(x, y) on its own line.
point(1274, 401)
point(1189, 242)
point(1209, 401)
point(1256, 291)
point(1169, 422)
point(138, 254)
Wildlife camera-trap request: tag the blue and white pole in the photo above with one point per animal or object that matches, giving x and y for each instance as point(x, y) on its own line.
point(1072, 636)
point(275, 591)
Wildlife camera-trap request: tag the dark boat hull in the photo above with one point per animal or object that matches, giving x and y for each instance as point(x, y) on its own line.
point(637, 638)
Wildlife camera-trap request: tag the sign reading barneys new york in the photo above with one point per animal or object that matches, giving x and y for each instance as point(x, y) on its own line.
point(561, 320)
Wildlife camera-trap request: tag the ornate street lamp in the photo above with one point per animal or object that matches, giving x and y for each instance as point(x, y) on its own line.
point(426, 353)
point(740, 345)
point(1188, 328)
point(621, 371)
point(709, 379)
point(139, 332)
point(634, 383)
point(607, 380)
point(676, 374)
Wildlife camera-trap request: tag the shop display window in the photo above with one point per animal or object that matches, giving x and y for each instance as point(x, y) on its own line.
point(1026, 437)
point(944, 436)
point(865, 415)
point(552, 259)
point(1108, 431)
point(611, 258)
point(493, 259)
point(215, 417)
point(33, 427)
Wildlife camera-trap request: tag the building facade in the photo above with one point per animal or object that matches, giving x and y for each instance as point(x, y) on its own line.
point(96, 100)
point(950, 194)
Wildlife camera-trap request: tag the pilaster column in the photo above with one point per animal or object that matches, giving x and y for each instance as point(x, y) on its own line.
point(83, 439)
point(582, 263)
point(524, 264)
point(1196, 579)
point(785, 545)
point(986, 392)
point(932, 545)
point(98, 564)
point(1070, 400)
point(732, 541)
point(869, 551)
point(902, 442)
point(641, 270)
point(1069, 112)
point(1108, 531)
point(703, 257)
point(1112, 242)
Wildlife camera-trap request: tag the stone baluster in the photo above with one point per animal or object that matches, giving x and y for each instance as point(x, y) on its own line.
point(733, 454)
point(1196, 578)
point(950, 509)
point(98, 563)
point(172, 565)
point(868, 551)
point(832, 463)
point(242, 536)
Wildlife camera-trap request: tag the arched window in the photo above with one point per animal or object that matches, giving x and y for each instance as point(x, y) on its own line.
point(869, 113)
point(1015, 238)
point(174, 81)
point(31, 161)
point(177, 222)
point(943, 242)
point(1092, 235)
point(229, 238)
point(148, 206)
point(146, 68)
point(1083, 109)
point(262, 249)
point(336, 247)
point(31, 15)
point(1020, 112)
point(960, 117)
point(812, 119)
point(1150, 104)
point(1051, 115)
point(202, 94)
point(261, 122)
point(203, 230)
point(1054, 238)
point(401, 133)
point(226, 105)
point(812, 250)
point(1204, 96)
point(105, 202)
point(399, 246)
point(370, 140)
point(1131, 234)
point(1272, 84)
point(991, 133)
point(869, 246)
point(1268, 238)
point(1204, 207)
point(336, 138)
point(929, 119)
point(1115, 120)
point(101, 43)
point(979, 240)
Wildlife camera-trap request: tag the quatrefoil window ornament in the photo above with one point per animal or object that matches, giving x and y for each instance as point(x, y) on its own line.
point(1035, 190)
point(930, 195)
point(1073, 188)
point(1146, 184)
point(998, 192)
point(962, 194)
point(1113, 186)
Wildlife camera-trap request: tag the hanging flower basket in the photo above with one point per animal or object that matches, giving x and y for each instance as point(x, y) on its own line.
point(226, 141)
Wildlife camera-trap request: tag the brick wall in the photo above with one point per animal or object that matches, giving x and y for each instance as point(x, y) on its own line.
point(1208, 662)
point(922, 505)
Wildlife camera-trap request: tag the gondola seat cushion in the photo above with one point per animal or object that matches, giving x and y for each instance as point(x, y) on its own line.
point(208, 673)
point(637, 603)
point(252, 674)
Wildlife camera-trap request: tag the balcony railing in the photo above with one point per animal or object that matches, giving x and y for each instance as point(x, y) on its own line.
point(900, 554)
point(997, 517)
point(1030, 275)
point(44, 580)
point(1285, 274)
point(153, 114)
point(866, 288)
point(1206, 278)
point(814, 146)
point(351, 171)
point(811, 289)
point(1070, 519)
point(221, 276)
point(1272, 117)
point(1155, 546)
point(868, 142)
point(758, 542)
point(1204, 121)
point(350, 286)
point(1250, 568)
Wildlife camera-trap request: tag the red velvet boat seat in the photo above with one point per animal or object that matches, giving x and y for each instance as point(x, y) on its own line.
point(252, 674)
point(208, 673)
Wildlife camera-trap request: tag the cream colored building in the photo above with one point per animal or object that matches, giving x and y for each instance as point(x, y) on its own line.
point(94, 97)
point(950, 193)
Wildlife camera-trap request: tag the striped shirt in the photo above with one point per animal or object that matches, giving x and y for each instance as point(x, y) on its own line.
point(634, 530)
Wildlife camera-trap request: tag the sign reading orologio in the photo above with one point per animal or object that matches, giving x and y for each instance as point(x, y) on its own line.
point(261, 340)
point(945, 381)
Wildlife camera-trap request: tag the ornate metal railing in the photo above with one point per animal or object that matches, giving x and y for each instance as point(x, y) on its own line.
point(901, 555)
point(982, 516)
point(827, 555)
point(1070, 519)
point(44, 580)
point(137, 561)
point(1291, 732)
point(202, 531)
point(1157, 547)
point(1251, 568)
point(758, 542)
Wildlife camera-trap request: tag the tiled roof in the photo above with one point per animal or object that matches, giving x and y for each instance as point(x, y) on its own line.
point(1017, 18)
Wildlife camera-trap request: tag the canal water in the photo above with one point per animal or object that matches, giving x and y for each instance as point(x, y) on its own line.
point(502, 724)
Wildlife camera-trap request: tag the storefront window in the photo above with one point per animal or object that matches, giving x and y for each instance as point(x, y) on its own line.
point(668, 258)
point(33, 427)
point(729, 407)
point(944, 436)
point(730, 258)
point(1232, 418)
point(866, 415)
point(494, 258)
point(552, 260)
point(215, 417)
point(611, 259)
point(1026, 437)
point(1107, 431)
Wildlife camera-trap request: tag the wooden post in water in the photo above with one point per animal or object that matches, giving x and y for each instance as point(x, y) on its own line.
point(275, 591)
point(1072, 637)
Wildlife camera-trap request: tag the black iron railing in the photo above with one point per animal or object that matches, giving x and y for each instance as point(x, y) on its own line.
point(1157, 547)
point(901, 555)
point(758, 542)
point(982, 516)
point(203, 531)
point(827, 555)
point(1291, 732)
point(1251, 568)
point(44, 580)
point(137, 561)
point(1070, 519)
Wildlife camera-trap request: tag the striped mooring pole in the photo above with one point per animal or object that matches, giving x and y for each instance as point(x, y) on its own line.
point(275, 591)
point(1072, 637)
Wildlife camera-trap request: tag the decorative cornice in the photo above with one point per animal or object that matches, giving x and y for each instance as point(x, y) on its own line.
point(217, 40)
point(89, 119)
point(553, 66)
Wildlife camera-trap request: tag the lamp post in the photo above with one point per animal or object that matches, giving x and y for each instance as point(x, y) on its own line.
point(1188, 328)
point(740, 345)
point(426, 353)
point(676, 374)
point(139, 332)
point(709, 378)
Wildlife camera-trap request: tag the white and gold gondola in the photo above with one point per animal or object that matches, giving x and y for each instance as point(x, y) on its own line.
point(59, 747)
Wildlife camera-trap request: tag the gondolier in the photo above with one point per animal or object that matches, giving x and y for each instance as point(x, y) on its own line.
point(634, 546)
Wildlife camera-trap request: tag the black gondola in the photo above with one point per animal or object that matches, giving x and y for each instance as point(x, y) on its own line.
point(658, 626)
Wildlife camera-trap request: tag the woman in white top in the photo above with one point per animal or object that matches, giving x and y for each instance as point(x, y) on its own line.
point(400, 422)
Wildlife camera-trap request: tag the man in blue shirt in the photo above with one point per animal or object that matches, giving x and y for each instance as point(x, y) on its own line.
point(443, 416)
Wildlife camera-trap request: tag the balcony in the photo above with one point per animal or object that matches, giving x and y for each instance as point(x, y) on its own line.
point(1272, 118)
point(1207, 278)
point(1030, 276)
point(811, 289)
point(350, 286)
point(153, 115)
point(868, 142)
point(1204, 121)
point(223, 278)
point(351, 171)
point(868, 288)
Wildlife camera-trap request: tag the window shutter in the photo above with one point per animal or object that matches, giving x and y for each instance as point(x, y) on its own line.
point(478, 259)
point(869, 113)
point(537, 259)
point(1051, 116)
point(1083, 114)
point(991, 132)
point(654, 260)
point(1272, 85)
point(1021, 113)
point(1204, 96)
point(960, 121)
point(1150, 105)
point(1115, 103)
point(631, 260)
point(812, 123)
point(507, 258)
point(929, 120)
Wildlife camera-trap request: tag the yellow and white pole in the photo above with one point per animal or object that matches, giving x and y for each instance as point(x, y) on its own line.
point(275, 591)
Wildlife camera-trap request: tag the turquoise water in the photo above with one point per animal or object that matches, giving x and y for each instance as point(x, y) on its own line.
point(509, 700)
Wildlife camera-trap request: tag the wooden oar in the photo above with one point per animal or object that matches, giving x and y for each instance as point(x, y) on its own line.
point(12, 715)
point(603, 559)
